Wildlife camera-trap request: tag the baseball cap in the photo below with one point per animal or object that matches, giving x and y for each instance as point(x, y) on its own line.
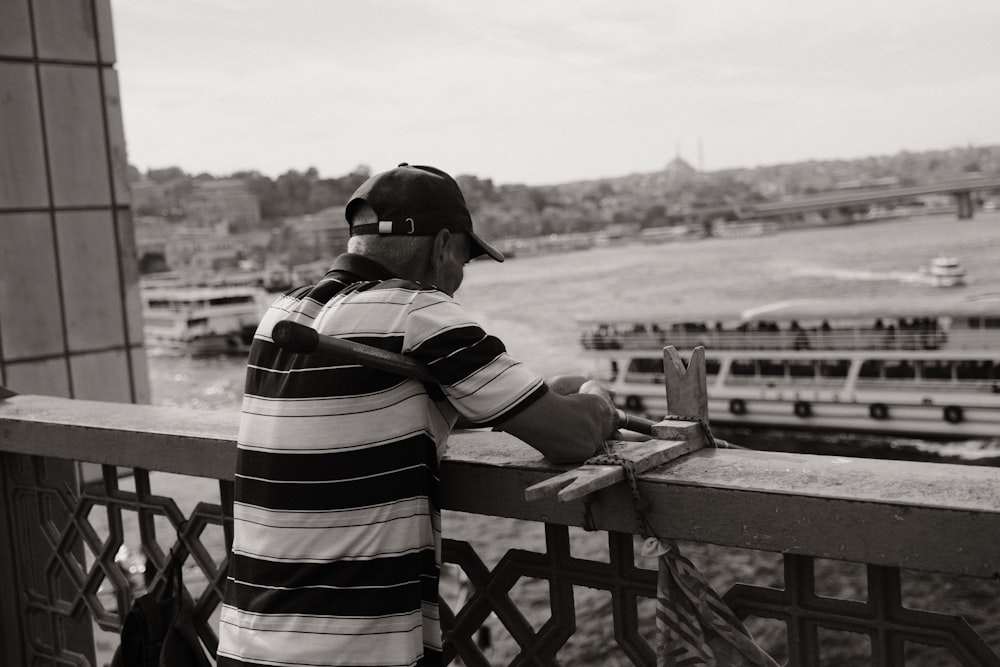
point(417, 200)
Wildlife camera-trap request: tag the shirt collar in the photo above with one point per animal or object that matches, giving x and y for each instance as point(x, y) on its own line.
point(365, 268)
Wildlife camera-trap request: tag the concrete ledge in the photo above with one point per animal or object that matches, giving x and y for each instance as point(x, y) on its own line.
point(201, 443)
point(924, 516)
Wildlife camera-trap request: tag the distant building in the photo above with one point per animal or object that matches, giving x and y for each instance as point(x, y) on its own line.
point(617, 232)
point(938, 203)
point(227, 201)
point(318, 236)
point(147, 196)
point(152, 234)
point(679, 169)
point(193, 250)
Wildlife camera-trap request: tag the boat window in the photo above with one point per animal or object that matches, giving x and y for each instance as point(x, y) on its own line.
point(899, 369)
point(712, 366)
point(801, 369)
point(834, 368)
point(645, 365)
point(976, 370)
point(973, 322)
point(605, 370)
point(226, 300)
point(871, 369)
point(936, 370)
point(196, 321)
point(992, 322)
point(769, 367)
point(742, 367)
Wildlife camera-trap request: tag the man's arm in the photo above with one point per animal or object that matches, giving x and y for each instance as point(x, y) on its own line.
point(565, 428)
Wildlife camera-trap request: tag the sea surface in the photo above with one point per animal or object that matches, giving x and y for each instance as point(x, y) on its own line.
point(532, 302)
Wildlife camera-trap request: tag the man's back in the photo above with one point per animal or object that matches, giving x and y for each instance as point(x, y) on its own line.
point(337, 540)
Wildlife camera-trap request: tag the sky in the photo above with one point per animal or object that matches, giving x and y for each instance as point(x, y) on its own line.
point(550, 91)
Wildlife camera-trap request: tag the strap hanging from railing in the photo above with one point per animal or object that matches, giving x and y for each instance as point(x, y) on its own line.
point(696, 627)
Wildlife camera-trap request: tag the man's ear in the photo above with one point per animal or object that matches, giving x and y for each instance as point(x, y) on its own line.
point(439, 254)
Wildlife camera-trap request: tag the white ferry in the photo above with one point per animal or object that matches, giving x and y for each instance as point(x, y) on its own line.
point(943, 272)
point(928, 370)
point(202, 319)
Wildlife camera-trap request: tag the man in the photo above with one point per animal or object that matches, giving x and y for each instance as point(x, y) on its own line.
point(337, 539)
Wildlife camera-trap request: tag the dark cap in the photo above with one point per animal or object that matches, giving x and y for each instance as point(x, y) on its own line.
point(416, 200)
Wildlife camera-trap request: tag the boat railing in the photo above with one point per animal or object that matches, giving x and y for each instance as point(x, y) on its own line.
point(907, 385)
point(784, 381)
point(828, 560)
point(644, 378)
point(974, 339)
point(925, 385)
point(813, 339)
point(749, 380)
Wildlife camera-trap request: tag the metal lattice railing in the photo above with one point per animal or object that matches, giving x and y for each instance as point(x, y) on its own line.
point(84, 532)
point(78, 550)
point(491, 595)
point(883, 619)
point(887, 631)
point(69, 587)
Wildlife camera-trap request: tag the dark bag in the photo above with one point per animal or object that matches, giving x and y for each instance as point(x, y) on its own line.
point(159, 630)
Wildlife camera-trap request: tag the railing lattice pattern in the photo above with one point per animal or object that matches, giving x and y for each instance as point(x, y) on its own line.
point(67, 544)
point(74, 568)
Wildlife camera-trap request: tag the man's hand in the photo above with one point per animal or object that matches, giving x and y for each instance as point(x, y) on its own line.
point(564, 385)
point(594, 387)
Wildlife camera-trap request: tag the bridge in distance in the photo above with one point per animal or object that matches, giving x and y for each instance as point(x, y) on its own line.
point(961, 189)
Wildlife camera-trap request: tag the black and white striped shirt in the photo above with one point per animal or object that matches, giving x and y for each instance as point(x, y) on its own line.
point(337, 539)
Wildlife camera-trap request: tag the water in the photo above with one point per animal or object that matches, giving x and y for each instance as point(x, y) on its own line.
point(531, 303)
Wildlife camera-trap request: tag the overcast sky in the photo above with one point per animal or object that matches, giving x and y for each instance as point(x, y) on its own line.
point(548, 91)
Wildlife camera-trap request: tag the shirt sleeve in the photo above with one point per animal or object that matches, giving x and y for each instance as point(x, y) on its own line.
point(484, 383)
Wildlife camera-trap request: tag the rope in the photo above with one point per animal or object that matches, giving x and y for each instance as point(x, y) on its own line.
point(709, 438)
point(639, 504)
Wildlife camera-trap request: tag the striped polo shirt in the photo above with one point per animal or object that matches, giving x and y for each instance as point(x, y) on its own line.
point(337, 536)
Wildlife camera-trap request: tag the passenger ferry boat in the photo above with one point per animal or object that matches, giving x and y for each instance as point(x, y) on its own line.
point(929, 370)
point(943, 272)
point(202, 319)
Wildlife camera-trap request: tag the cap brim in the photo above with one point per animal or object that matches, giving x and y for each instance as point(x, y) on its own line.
point(481, 247)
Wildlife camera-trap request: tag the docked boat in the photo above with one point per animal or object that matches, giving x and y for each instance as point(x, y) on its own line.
point(930, 369)
point(202, 319)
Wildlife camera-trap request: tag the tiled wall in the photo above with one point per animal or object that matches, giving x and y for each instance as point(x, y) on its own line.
point(70, 315)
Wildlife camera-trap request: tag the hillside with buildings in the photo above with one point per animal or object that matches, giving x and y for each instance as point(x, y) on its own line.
point(201, 223)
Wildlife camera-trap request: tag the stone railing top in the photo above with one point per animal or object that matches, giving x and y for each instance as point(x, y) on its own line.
point(179, 440)
point(928, 516)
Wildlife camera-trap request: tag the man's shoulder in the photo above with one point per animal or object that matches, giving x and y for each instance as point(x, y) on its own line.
point(401, 289)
